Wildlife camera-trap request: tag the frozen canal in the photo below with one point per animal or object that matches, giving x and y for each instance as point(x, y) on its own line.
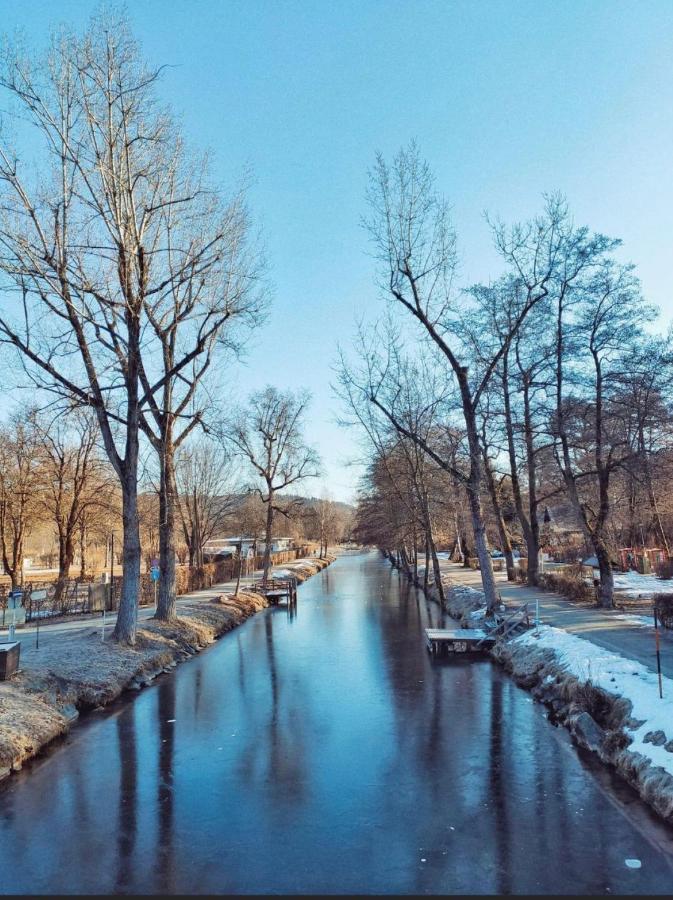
point(327, 753)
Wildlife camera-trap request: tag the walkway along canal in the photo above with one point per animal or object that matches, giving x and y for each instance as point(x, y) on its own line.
point(324, 750)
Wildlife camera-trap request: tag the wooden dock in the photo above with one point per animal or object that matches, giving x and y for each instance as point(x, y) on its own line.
point(278, 589)
point(477, 640)
point(457, 640)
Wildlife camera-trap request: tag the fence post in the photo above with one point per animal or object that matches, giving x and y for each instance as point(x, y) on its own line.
point(656, 639)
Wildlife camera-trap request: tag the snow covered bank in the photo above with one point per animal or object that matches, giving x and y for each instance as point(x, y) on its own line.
point(464, 602)
point(610, 704)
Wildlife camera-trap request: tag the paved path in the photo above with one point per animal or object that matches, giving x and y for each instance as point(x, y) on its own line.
point(94, 623)
point(617, 631)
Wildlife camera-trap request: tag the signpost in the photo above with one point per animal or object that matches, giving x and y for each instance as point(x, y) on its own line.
point(656, 643)
point(15, 597)
point(154, 575)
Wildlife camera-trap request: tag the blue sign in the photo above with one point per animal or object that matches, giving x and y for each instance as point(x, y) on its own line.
point(154, 573)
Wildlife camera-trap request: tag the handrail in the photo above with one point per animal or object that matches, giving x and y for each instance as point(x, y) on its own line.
point(521, 612)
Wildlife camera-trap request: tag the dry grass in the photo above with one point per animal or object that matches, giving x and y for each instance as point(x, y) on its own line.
point(79, 672)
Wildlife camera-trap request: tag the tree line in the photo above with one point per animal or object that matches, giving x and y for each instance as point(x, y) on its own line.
point(491, 403)
point(60, 501)
point(127, 271)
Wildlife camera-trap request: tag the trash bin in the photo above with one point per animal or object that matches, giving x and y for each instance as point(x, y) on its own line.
point(9, 659)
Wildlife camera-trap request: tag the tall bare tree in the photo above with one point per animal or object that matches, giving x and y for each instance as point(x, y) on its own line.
point(214, 292)
point(592, 424)
point(267, 433)
point(72, 478)
point(208, 493)
point(88, 246)
point(416, 247)
point(20, 486)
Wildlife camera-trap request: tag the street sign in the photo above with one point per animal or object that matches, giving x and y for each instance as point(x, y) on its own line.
point(250, 553)
point(154, 573)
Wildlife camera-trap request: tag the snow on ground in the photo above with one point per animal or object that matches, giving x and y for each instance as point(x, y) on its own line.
point(634, 584)
point(633, 619)
point(619, 676)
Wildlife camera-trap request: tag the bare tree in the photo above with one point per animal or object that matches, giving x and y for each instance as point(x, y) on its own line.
point(72, 477)
point(267, 433)
point(20, 485)
point(86, 244)
point(592, 424)
point(213, 292)
point(208, 492)
point(416, 246)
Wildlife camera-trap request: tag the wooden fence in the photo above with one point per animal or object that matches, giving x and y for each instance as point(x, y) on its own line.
point(85, 595)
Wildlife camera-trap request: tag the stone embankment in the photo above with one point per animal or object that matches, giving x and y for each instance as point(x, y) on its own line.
point(609, 704)
point(624, 726)
point(71, 674)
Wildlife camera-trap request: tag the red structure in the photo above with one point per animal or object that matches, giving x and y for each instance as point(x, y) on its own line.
point(642, 559)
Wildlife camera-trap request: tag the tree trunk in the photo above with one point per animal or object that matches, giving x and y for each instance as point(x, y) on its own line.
point(458, 544)
point(65, 556)
point(426, 573)
point(166, 608)
point(481, 544)
point(473, 495)
point(404, 561)
point(127, 617)
point(606, 589)
point(466, 551)
point(437, 572)
point(533, 570)
point(651, 496)
point(533, 533)
point(500, 521)
point(82, 550)
point(268, 537)
point(240, 566)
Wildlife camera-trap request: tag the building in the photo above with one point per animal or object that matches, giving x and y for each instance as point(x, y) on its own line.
point(277, 545)
point(226, 548)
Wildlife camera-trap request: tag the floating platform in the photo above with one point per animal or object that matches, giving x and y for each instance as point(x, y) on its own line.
point(458, 640)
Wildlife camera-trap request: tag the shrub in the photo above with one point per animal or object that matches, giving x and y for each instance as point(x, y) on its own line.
point(665, 570)
point(595, 701)
point(663, 606)
point(569, 583)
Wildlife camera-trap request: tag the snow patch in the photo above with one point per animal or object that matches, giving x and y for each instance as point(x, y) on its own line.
point(618, 676)
point(633, 584)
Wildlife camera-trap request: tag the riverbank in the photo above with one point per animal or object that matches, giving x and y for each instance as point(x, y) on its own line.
point(609, 702)
point(610, 705)
point(81, 672)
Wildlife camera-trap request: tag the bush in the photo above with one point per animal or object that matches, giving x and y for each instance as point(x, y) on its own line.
point(663, 606)
point(570, 584)
point(595, 701)
point(665, 570)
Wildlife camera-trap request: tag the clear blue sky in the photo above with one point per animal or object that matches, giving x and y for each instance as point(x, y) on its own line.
point(506, 100)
